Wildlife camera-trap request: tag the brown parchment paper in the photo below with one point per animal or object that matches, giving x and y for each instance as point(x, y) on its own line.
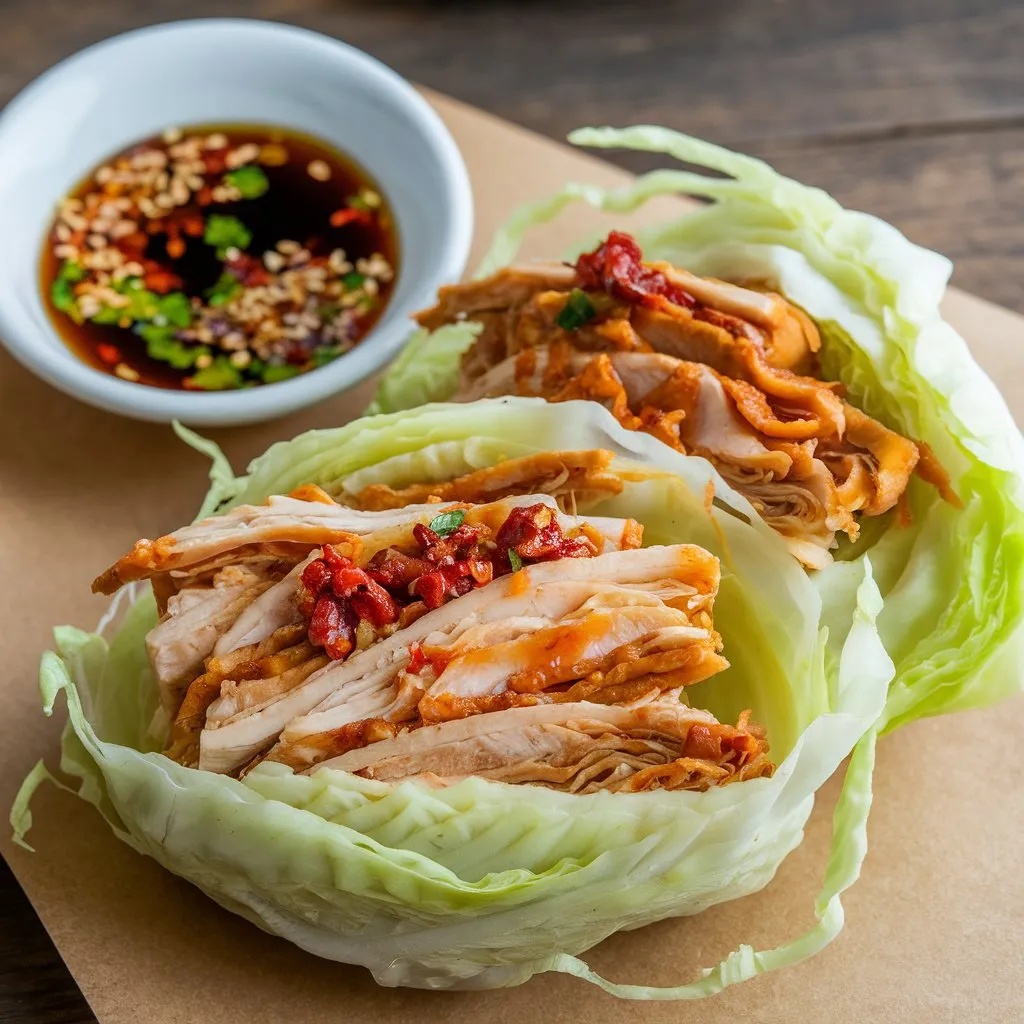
point(934, 929)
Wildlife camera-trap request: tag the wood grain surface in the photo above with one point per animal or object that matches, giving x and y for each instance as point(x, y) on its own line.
point(910, 109)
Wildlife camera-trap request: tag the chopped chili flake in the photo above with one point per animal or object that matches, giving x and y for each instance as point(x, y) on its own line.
point(616, 267)
point(395, 585)
point(110, 354)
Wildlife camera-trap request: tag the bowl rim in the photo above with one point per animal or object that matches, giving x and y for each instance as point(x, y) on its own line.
point(61, 368)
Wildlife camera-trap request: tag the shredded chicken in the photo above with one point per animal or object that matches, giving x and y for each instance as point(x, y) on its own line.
point(709, 367)
point(366, 651)
point(577, 747)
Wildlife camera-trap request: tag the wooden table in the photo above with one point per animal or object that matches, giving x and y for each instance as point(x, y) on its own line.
point(910, 109)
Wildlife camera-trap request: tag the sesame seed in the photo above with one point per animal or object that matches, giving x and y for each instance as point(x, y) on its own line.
point(123, 228)
point(104, 175)
point(370, 286)
point(74, 221)
point(96, 242)
point(163, 201)
point(218, 140)
point(125, 372)
point(204, 361)
point(62, 232)
point(241, 359)
point(371, 198)
point(66, 252)
point(179, 192)
point(273, 261)
point(319, 170)
point(171, 135)
point(245, 154)
point(287, 246)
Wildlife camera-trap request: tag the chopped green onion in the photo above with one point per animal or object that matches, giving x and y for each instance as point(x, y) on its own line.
point(163, 346)
point(447, 522)
point(226, 233)
point(273, 374)
point(323, 356)
point(62, 295)
point(353, 281)
point(358, 203)
point(220, 376)
point(176, 309)
point(577, 311)
point(250, 181)
point(514, 560)
point(226, 287)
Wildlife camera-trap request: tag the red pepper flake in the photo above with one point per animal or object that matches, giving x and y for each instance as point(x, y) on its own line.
point(534, 534)
point(110, 354)
point(615, 267)
point(329, 629)
point(162, 281)
point(337, 594)
point(348, 215)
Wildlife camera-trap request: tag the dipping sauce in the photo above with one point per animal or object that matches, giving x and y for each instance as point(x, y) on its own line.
point(218, 258)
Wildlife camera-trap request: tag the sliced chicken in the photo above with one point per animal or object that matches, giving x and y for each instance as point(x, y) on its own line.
point(510, 287)
point(291, 526)
point(712, 367)
point(548, 589)
point(578, 747)
point(196, 616)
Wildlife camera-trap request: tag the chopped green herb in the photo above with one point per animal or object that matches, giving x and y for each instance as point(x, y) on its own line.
point(249, 180)
point(221, 376)
point(514, 560)
point(226, 233)
point(176, 309)
point(144, 304)
point(273, 374)
point(328, 311)
point(110, 315)
point(323, 356)
point(577, 311)
point(353, 281)
point(358, 203)
point(224, 290)
point(447, 522)
point(62, 294)
point(162, 345)
point(255, 367)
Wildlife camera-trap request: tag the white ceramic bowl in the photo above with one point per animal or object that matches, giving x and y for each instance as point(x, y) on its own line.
point(210, 71)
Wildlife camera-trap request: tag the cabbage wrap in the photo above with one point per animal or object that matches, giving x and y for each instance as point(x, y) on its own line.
point(953, 578)
point(483, 884)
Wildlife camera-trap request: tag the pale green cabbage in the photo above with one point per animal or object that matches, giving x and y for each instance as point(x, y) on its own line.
point(953, 582)
point(485, 884)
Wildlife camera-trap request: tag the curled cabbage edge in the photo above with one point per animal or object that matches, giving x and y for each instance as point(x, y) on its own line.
point(484, 884)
